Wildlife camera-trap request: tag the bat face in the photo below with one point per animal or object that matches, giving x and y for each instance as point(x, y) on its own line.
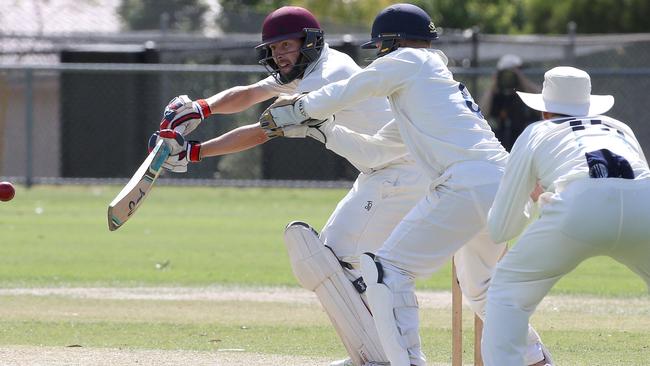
point(136, 190)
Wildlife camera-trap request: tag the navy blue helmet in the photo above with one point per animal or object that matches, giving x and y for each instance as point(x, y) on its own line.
point(400, 21)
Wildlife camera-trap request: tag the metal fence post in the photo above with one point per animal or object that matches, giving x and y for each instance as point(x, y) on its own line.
point(475, 56)
point(29, 126)
point(570, 52)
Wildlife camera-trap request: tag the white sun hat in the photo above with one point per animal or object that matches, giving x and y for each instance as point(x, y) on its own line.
point(567, 90)
point(509, 61)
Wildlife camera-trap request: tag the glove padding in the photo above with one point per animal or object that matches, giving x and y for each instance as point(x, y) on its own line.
point(287, 110)
point(181, 151)
point(184, 115)
point(302, 131)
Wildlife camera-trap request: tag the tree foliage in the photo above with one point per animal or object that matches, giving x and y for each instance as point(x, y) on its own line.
point(181, 15)
point(498, 16)
point(492, 16)
point(591, 16)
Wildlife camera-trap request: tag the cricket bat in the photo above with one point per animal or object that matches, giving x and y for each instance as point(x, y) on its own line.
point(136, 190)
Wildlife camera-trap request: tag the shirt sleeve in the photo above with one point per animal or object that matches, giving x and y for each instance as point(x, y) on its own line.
point(380, 79)
point(509, 215)
point(370, 150)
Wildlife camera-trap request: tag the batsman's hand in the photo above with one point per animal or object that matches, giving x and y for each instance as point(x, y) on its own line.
point(184, 115)
point(287, 110)
point(181, 151)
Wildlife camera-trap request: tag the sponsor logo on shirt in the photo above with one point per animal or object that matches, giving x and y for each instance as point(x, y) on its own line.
point(368, 206)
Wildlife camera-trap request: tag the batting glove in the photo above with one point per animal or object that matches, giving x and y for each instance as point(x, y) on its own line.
point(184, 115)
point(181, 151)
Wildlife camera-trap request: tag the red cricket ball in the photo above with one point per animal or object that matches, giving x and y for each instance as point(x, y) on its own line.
point(7, 191)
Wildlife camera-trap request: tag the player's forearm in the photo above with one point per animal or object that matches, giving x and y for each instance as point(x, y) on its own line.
point(509, 215)
point(237, 99)
point(239, 139)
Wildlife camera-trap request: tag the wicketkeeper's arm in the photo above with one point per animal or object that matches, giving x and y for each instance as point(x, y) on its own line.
point(369, 150)
point(379, 79)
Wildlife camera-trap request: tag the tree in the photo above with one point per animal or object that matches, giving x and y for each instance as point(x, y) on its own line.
point(591, 16)
point(493, 16)
point(181, 15)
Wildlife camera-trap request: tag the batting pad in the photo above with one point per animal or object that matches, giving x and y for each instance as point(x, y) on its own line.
point(317, 269)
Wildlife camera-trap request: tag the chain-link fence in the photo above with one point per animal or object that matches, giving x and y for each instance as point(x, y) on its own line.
point(89, 114)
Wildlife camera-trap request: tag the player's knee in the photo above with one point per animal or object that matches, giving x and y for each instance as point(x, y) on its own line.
point(513, 296)
point(310, 264)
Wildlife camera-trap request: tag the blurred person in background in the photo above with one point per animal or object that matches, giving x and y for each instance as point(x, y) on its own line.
point(507, 115)
point(298, 59)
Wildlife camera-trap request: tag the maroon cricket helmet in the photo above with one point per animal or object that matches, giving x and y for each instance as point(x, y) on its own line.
point(287, 22)
point(290, 22)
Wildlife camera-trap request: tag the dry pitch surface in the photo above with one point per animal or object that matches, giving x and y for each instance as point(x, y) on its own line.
point(68, 301)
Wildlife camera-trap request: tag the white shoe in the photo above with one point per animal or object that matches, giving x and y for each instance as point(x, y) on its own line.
point(348, 362)
point(547, 356)
point(547, 360)
point(345, 362)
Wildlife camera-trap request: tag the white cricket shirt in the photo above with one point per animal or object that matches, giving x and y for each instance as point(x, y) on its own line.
point(553, 153)
point(435, 115)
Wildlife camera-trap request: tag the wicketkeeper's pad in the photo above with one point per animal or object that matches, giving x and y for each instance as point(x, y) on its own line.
point(385, 307)
point(318, 269)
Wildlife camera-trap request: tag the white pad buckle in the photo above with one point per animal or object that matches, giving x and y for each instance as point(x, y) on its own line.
point(317, 269)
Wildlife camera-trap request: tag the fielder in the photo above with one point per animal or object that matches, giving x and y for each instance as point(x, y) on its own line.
point(597, 188)
point(442, 127)
point(298, 59)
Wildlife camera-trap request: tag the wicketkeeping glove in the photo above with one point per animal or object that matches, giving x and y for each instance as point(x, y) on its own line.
point(184, 115)
point(181, 151)
point(285, 111)
point(302, 131)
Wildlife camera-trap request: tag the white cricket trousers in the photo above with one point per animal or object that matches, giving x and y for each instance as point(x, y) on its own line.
point(450, 220)
point(591, 217)
point(369, 212)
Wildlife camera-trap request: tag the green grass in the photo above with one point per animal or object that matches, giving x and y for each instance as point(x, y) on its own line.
point(208, 235)
point(59, 236)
